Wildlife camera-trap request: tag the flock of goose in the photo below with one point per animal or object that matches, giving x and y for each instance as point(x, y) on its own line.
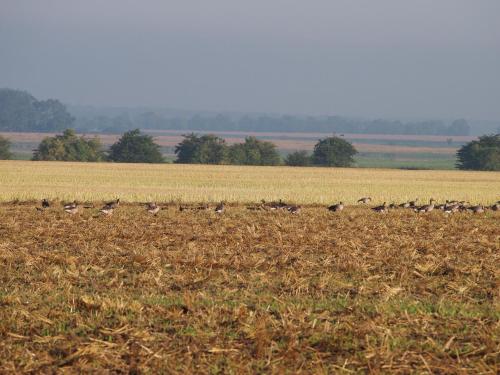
point(451, 206)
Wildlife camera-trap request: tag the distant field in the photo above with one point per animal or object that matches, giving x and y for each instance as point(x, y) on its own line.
point(288, 143)
point(27, 180)
point(376, 150)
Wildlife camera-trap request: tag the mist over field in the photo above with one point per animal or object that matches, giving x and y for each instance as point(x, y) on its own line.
point(387, 59)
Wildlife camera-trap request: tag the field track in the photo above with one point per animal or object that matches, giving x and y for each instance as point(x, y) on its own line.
point(247, 292)
point(24, 181)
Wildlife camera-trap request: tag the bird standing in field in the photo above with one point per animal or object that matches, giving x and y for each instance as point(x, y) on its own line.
point(427, 207)
point(220, 208)
point(479, 209)
point(152, 208)
point(45, 203)
point(71, 208)
point(365, 200)
point(107, 211)
point(294, 209)
point(381, 209)
point(113, 204)
point(336, 207)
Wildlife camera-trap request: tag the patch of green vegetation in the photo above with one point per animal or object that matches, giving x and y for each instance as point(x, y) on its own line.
point(405, 161)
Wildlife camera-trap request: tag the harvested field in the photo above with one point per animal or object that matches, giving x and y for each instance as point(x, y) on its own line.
point(24, 180)
point(248, 291)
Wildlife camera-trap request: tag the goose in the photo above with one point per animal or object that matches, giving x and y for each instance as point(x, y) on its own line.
point(405, 205)
point(107, 211)
point(365, 200)
point(280, 205)
point(427, 207)
point(69, 206)
point(220, 208)
point(293, 209)
point(71, 209)
point(495, 207)
point(381, 209)
point(479, 209)
point(112, 204)
point(451, 208)
point(336, 207)
point(153, 208)
point(393, 206)
point(45, 203)
point(413, 204)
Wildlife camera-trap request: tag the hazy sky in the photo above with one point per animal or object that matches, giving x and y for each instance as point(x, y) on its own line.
point(371, 58)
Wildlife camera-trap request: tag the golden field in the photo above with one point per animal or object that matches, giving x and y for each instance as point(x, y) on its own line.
point(245, 292)
point(26, 180)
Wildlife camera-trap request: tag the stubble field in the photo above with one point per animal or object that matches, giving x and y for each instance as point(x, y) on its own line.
point(246, 291)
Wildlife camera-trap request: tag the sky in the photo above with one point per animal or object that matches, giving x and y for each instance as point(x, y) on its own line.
point(385, 58)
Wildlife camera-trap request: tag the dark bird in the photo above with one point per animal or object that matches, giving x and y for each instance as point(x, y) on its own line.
point(112, 204)
point(479, 209)
point(220, 208)
point(336, 207)
point(381, 209)
point(45, 203)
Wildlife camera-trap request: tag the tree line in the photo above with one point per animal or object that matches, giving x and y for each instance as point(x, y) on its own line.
point(20, 111)
point(267, 123)
point(136, 147)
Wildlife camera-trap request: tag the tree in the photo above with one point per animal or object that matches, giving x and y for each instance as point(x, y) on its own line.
point(134, 147)
point(5, 153)
point(333, 152)
point(20, 111)
point(205, 149)
point(482, 154)
point(459, 127)
point(69, 147)
point(254, 152)
point(298, 159)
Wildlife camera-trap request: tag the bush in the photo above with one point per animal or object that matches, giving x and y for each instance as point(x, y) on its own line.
point(5, 153)
point(134, 147)
point(333, 152)
point(298, 159)
point(254, 152)
point(481, 155)
point(206, 149)
point(69, 147)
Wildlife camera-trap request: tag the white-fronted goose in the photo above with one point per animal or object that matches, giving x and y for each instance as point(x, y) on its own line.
point(220, 208)
point(427, 207)
point(152, 208)
point(381, 209)
point(71, 209)
point(69, 206)
point(479, 209)
point(336, 207)
point(365, 200)
point(112, 204)
point(294, 209)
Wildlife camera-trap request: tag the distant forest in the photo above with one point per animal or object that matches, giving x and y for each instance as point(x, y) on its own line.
point(20, 111)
